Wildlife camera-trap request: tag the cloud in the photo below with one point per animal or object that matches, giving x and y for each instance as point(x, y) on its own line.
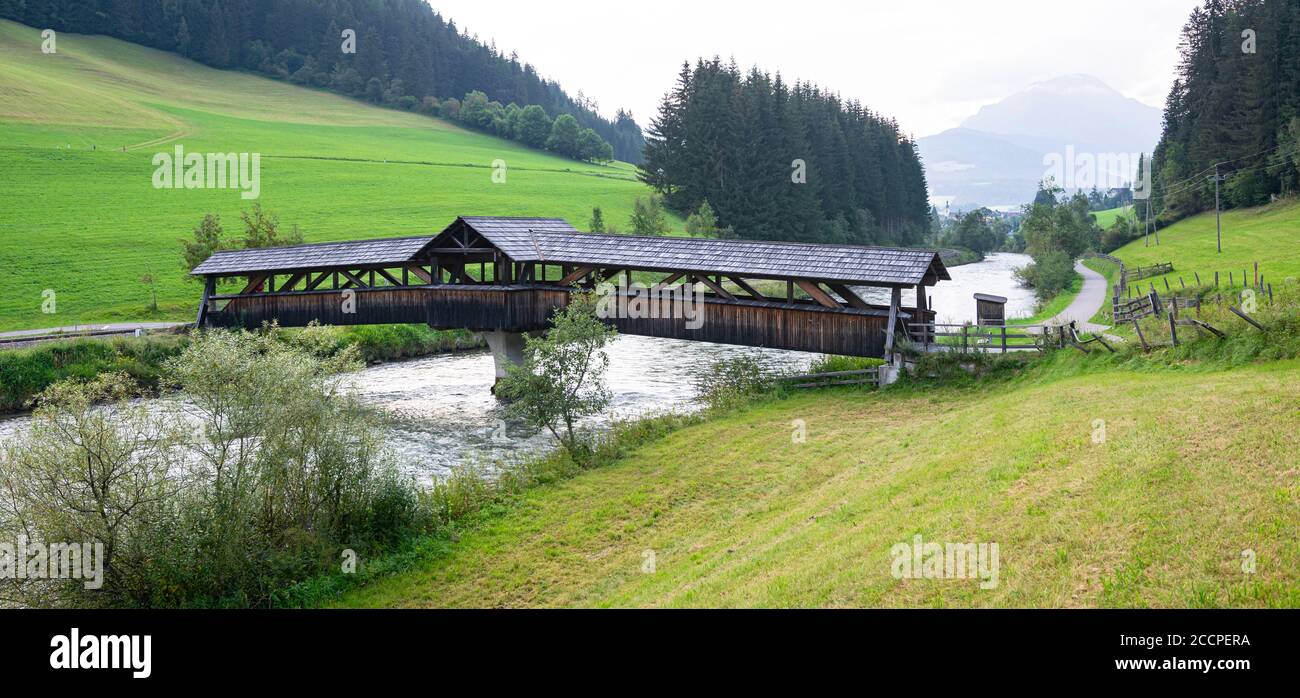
point(928, 63)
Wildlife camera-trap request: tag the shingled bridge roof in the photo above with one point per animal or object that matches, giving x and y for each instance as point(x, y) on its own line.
point(554, 241)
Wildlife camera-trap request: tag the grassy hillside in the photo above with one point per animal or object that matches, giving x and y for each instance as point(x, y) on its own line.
point(80, 216)
point(1197, 465)
point(1269, 235)
point(1107, 218)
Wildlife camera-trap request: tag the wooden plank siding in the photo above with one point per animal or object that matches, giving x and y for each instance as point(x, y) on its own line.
point(444, 306)
point(802, 326)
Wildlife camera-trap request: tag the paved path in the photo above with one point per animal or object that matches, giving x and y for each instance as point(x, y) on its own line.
point(20, 338)
point(1092, 297)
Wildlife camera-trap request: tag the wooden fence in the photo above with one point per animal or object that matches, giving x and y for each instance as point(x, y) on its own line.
point(866, 376)
point(1160, 269)
point(1128, 299)
point(1255, 281)
point(1171, 308)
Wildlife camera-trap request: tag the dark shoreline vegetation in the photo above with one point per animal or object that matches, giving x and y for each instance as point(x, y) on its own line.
point(959, 256)
point(25, 372)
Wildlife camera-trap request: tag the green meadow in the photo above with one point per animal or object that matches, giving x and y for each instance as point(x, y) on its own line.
point(1107, 218)
point(80, 215)
point(1269, 235)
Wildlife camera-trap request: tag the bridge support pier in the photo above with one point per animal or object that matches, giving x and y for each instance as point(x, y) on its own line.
point(891, 371)
point(507, 348)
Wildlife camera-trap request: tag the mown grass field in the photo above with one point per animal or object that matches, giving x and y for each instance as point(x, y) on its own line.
point(1197, 466)
point(1269, 235)
point(80, 216)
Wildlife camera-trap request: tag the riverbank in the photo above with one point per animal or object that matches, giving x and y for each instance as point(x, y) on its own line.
point(26, 372)
point(1152, 506)
point(958, 256)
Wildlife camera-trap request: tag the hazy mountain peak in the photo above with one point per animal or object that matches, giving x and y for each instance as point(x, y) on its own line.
point(997, 156)
point(1073, 84)
point(1073, 109)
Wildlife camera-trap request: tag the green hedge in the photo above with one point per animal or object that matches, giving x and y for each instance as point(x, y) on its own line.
point(26, 372)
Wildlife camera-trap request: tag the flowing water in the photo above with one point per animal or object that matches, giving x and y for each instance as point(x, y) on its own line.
point(441, 412)
point(954, 301)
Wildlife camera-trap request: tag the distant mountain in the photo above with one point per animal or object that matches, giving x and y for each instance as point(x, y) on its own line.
point(997, 157)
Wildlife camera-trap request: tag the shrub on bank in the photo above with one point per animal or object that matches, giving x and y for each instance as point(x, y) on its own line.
point(26, 372)
point(266, 473)
point(731, 382)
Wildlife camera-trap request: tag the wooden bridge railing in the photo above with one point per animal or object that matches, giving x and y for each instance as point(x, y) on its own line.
point(982, 338)
point(1003, 339)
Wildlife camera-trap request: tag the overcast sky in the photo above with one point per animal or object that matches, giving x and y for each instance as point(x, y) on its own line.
point(928, 63)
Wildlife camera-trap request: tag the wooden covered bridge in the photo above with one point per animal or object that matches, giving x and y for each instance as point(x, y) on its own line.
point(506, 276)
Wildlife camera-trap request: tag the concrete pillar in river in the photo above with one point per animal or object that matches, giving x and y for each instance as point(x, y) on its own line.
point(507, 348)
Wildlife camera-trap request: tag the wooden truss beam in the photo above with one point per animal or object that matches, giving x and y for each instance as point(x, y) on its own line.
point(817, 293)
point(850, 297)
point(668, 281)
point(312, 285)
point(389, 277)
point(293, 281)
point(749, 290)
point(352, 280)
point(254, 282)
point(420, 273)
point(895, 300)
point(575, 275)
point(715, 286)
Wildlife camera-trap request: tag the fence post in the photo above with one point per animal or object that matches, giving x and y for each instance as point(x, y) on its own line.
point(1004, 339)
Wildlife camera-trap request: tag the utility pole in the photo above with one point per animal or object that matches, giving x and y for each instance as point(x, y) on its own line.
point(1218, 220)
point(1155, 227)
point(1146, 223)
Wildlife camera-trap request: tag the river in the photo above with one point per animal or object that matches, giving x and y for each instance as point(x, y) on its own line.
point(441, 414)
